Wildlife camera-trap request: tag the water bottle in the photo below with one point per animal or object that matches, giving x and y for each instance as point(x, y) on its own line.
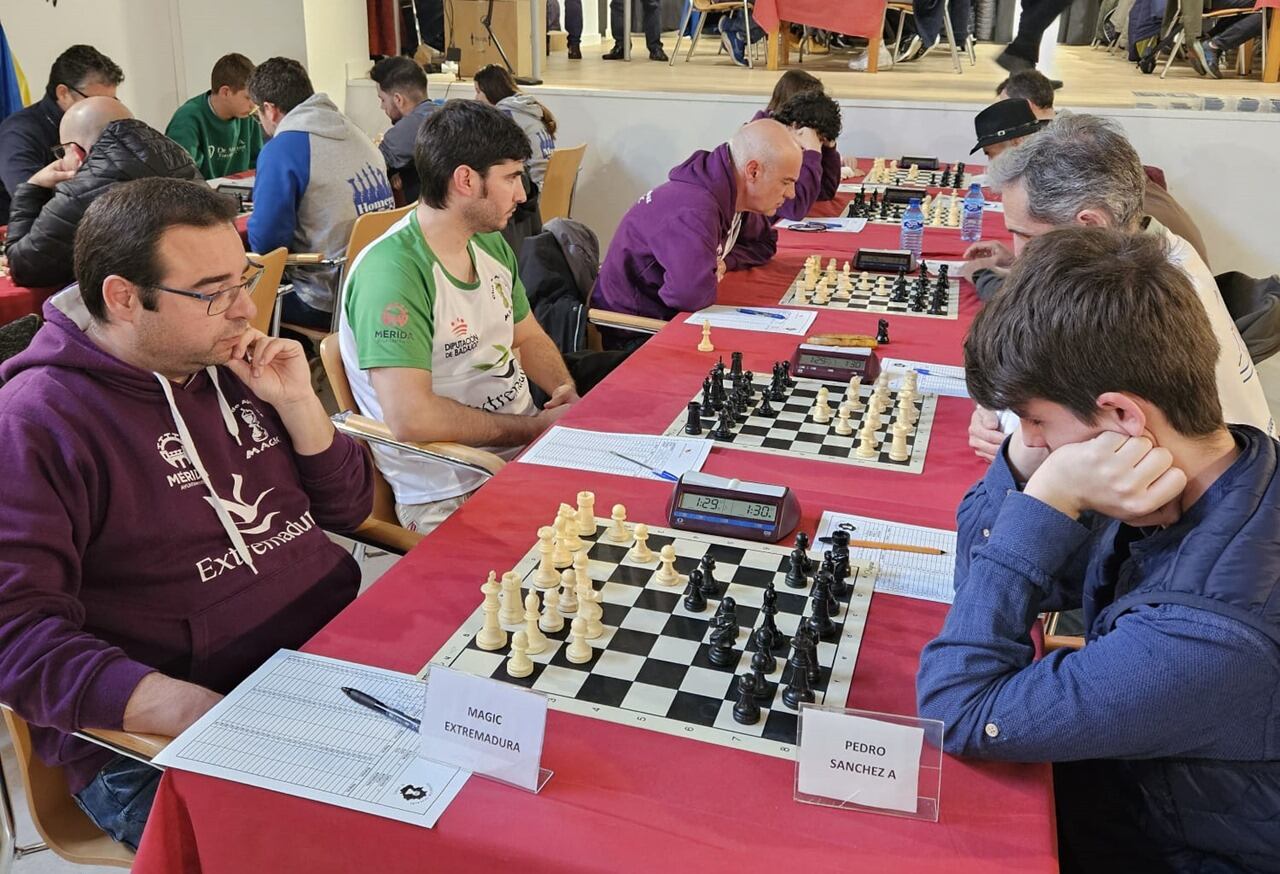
point(913, 229)
point(971, 219)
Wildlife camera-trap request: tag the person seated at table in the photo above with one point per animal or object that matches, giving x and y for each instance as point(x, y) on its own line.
point(1080, 170)
point(102, 144)
point(676, 242)
point(169, 470)
point(1032, 86)
point(217, 127)
point(315, 176)
point(929, 25)
point(1227, 34)
point(815, 119)
point(733, 35)
point(1142, 505)
point(435, 330)
point(402, 94)
point(28, 136)
point(1003, 125)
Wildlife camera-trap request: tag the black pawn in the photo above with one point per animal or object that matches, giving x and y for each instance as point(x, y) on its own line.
point(802, 547)
point(694, 424)
point(798, 689)
point(747, 710)
point(882, 332)
point(710, 585)
point(786, 375)
point(762, 659)
point(695, 600)
point(766, 409)
point(796, 578)
point(723, 429)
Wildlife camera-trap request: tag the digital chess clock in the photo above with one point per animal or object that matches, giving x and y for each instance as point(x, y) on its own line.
point(903, 194)
point(920, 162)
point(733, 508)
point(835, 363)
point(884, 260)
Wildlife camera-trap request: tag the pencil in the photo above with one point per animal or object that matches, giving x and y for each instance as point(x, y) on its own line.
point(896, 547)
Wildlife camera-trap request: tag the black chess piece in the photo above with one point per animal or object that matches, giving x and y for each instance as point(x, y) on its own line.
point(749, 385)
point(728, 607)
point(796, 578)
point(943, 271)
point(695, 600)
point(937, 306)
point(694, 424)
point(882, 331)
point(724, 631)
point(802, 544)
point(763, 659)
point(766, 410)
point(763, 691)
point(786, 375)
point(798, 689)
point(829, 583)
point(723, 429)
point(722, 654)
point(710, 585)
point(735, 365)
point(819, 609)
point(807, 639)
point(959, 177)
point(747, 710)
point(840, 553)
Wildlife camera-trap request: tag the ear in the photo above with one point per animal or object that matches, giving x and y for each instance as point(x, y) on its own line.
point(1121, 413)
point(120, 296)
point(754, 170)
point(465, 180)
point(1093, 218)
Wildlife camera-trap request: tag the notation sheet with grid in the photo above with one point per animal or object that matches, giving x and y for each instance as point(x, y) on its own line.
point(909, 574)
point(288, 727)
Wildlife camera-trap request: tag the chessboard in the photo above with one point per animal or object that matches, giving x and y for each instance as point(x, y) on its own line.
point(942, 211)
point(841, 288)
point(793, 430)
point(887, 172)
point(651, 666)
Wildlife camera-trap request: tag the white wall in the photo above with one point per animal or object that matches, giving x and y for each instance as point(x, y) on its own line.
point(257, 30)
point(635, 139)
point(337, 35)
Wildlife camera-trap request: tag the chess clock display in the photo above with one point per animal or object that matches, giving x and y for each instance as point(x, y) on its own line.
point(919, 161)
point(884, 260)
point(835, 363)
point(734, 508)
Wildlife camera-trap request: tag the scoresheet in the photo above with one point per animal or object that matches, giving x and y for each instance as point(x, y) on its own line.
point(289, 728)
point(909, 574)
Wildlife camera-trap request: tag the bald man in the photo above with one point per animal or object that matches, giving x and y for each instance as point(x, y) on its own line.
point(101, 144)
point(711, 215)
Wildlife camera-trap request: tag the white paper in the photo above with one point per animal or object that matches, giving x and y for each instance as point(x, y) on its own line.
point(934, 265)
point(289, 728)
point(770, 320)
point(835, 225)
point(484, 726)
point(993, 206)
point(909, 574)
point(592, 450)
point(859, 760)
point(940, 379)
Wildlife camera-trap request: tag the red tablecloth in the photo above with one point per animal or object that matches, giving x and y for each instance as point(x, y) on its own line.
point(853, 17)
point(624, 799)
point(17, 301)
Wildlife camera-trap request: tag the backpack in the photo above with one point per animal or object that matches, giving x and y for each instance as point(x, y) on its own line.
point(1145, 20)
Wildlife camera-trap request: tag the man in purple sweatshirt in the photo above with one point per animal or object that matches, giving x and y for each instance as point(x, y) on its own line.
point(675, 244)
point(168, 473)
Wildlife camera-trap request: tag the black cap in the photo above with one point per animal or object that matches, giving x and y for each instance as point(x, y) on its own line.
point(1004, 120)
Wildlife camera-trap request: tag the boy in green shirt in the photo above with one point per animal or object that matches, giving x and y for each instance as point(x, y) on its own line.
point(217, 127)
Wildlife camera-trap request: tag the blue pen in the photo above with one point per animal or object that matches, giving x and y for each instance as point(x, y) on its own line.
point(761, 313)
point(660, 474)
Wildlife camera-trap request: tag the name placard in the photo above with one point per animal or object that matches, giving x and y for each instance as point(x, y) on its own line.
point(852, 759)
point(484, 726)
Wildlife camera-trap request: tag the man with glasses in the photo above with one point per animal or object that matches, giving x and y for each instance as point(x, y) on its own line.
point(169, 471)
point(27, 135)
point(101, 144)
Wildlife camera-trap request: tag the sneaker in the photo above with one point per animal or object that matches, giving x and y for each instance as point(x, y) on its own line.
point(883, 61)
point(913, 46)
point(924, 50)
point(1205, 56)
point(732, 44)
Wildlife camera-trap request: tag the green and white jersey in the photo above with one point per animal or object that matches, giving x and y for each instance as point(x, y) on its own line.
point(401, 308)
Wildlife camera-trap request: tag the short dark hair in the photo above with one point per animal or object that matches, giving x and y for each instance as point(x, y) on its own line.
point(282, 82)
point(119, 234)
point(1089, 310)
point(399, 74)
point(80, 65)
point(1029, 85)
point(812, 109)
point(463, 132)
point(232, 70)
point(790, 84)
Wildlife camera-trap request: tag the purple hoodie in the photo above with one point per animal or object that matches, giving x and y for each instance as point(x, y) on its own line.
point(662, 260)
point(115, 561)
point(819, 179)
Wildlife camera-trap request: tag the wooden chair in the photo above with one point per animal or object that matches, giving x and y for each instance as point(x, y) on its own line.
point(264, 296)
point(556, 198)
point(382, 529)
point(1244, 54)
point(905, 8)
point(702, 7)
point(1054, 640)
point(597, 319)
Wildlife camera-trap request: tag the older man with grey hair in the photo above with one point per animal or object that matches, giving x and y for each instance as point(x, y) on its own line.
point(1080, 170)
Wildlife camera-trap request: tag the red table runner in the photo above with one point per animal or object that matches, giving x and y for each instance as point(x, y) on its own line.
point(853, 17)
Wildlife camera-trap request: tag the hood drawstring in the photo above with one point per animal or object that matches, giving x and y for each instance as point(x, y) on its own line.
point(189, 446)
point(233, 427)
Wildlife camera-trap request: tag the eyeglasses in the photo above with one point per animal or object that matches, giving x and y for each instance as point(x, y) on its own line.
point(220, 301)
point(71, 87)
point(60, 150)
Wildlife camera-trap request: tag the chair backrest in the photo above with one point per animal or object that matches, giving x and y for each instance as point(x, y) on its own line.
point(384, 500)
point(368, 228)
point(61, 824)
point(557, 186)
point(264, 296)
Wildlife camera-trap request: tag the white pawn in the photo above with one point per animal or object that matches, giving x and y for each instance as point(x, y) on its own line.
point(546, 577)
point(512, 610)
point(843, 426)
point(491, 636)
point(571, 542)
point(667, 574)
point(568, 600)
point(617, 531)
point(898, 450)
point(519, 665)
point(866, 443)
point(551, 619)
point(641, 552)
point(864, 281)
point(536, 639)
point(882, 286)
point(579, 651)
point(586, 514)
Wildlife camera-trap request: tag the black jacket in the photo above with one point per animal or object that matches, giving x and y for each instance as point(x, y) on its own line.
point(26, 140)
point(42, 223)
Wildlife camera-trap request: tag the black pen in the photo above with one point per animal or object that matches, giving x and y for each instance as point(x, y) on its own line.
point(378, 707)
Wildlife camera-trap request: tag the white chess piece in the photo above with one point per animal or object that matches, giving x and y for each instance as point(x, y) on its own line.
point(667, 574)
point(560, 555)
point(866, 442)
point(568, 585)
point(551, 620)
point(641, 552)
point(570, 517)
point(898, 451)
point(864, 281)
point(491, 636)
point(854, 394)
point(519, 665)
point(882, 286)
point(821, 409)
point(586, 514)
point(579, 651)
point(843, 426)
point(705, 344)
point(537, 641)
point(512, 612)
point(589, 609)
point(618, 531)
point(546, 577)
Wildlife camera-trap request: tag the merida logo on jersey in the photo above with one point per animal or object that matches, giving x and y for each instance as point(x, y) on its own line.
point(370, 190)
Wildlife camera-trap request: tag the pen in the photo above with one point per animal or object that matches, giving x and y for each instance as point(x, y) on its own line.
point(660, 474)
point(761, 313)
point(378, 707)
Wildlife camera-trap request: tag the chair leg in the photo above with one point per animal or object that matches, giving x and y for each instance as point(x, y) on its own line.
point(684, 25)
point(951, 36)
point(971, 45)
point(897, 40)
point(1173, 53)
point(697, 35)
point(746, 30)
point(1244, 58)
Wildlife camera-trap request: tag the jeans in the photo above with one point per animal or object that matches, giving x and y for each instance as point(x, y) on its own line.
point(572, 19)
point(928, 14)
point(1234, 32)
point(119, 798)
point(294, 311)
point(652, 22)
point(1037, 15)
point(733, 27)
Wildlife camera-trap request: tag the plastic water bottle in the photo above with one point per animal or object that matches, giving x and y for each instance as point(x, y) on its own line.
point(971, 218)
point(913, 229)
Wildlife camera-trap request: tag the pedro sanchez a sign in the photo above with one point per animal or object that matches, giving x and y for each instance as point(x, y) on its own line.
point(852, 759)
